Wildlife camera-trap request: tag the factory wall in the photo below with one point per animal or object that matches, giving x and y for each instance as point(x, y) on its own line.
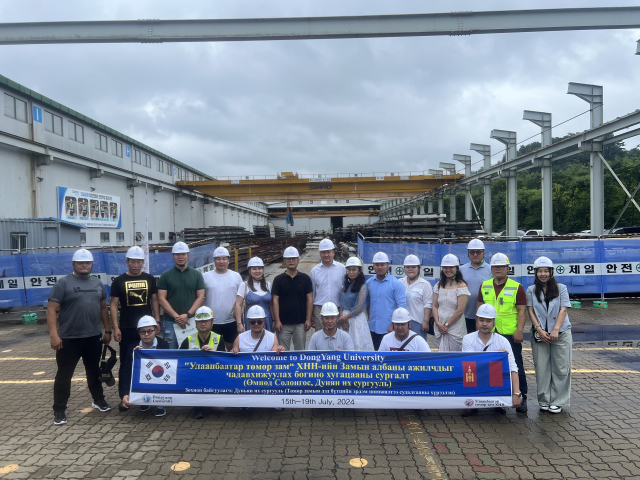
point(364, 220)
point(304, 224)
point(31, 129)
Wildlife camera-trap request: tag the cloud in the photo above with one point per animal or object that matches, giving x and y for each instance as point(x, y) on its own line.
point(321, 106)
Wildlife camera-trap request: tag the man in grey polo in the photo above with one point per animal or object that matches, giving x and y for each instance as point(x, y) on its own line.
point(474, 273)
point(330, 337)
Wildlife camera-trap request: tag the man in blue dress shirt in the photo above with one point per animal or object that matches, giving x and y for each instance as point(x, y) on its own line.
point(385, 293)
point(474, 273)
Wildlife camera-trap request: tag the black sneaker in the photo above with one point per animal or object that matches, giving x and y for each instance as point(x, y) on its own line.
point(122, 408)
point(523, 406)
point(101, 405)
point(198, 412)
point(161, 411)
point(144, 408)
point(59, 418)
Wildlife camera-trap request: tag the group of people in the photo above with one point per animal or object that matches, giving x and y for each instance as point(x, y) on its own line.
point(473, 307)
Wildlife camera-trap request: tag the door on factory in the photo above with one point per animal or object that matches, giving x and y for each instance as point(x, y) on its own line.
point(336, 222)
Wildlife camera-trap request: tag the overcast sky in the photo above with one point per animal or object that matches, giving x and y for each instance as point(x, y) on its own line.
point(323, 106)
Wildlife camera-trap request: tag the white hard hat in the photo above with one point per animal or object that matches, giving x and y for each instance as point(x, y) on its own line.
point(82, 255)
point(203, 313)
point(135, 253)
point(220, 252)
point(411, 260)
point(400, 315)
point(499, 259)
point(486, 311)
point(542, 262)
point(475, 244)
point(380, 257)
point(256, 311)
point(450, 260)
point(326, 244)
point(291, 252)
point(180, 247)
point(147, 321)
point(329, 309)
point(353, 262)
point(255, 262)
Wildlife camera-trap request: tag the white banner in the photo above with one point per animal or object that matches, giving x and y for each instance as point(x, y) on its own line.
point(89, 209)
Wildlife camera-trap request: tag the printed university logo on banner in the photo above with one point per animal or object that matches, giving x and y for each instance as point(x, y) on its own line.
point(159, 371)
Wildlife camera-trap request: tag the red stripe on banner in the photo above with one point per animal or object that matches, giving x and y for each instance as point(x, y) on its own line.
point(469, 374)
point(495, 374)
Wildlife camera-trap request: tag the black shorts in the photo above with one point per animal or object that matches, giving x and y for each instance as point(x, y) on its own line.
point(229, 331)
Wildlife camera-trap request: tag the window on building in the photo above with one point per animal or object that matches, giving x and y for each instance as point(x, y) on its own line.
point(83, 237)
point(150, 236)
point(19, 241)
point(116, 148)
point(168, 170)
point(347, 201)
point(137, 156)
point(101, 142)
point(335, 201)
point(161, 235)
point(310, 202)
point(119, 236)
point(15, 108)
point(53, 123)
point(160, 166)
point(104, 237)
point(76, 132)
point(147, 160)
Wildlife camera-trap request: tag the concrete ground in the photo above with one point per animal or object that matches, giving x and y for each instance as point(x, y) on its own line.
point(598, 436)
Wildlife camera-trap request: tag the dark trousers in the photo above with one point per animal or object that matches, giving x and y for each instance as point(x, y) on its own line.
point(517, 353)
point(471, 324)
point(73, 349)
point(377, 339)
point(130, 336)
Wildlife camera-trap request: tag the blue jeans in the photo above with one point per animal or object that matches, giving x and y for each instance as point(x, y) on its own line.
point(169, 334)
point(415, 328)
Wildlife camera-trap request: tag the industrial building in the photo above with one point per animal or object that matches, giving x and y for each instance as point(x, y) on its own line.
point(59, 163)
point(312, 215)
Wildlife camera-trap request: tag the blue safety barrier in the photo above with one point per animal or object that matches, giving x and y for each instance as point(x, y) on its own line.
point(620, 265)
point(11, 282)
point(589, 266)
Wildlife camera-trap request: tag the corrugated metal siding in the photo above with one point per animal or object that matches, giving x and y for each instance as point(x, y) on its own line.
point(39, 234)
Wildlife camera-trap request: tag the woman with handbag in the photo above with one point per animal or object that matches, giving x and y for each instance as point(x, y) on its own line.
point(450, 296)
point(255, 290)
point(353, 317)
point(419, 296)
point(551, 339)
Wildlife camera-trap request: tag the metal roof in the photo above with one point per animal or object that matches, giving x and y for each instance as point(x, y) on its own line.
point(72, 113)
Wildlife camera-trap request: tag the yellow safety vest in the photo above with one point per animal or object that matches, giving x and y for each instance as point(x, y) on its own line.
point(194, 342)
point(505, 305)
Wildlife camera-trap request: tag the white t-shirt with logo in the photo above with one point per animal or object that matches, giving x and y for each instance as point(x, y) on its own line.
point(390, 343)
point(220, 294)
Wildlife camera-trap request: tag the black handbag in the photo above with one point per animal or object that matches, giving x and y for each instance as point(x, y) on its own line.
point(432, 326)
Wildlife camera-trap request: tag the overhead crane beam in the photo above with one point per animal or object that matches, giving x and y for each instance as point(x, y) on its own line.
point(337, 213)
point(290, 187)
point(370, 26)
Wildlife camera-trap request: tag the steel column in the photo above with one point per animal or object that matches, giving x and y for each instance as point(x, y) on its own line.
point(509, 139)
point(466, 161)
point(452, 206)
point(485, 151)
point(440, 203)
point(543, 120)
point(430, 205)
point(593, 94)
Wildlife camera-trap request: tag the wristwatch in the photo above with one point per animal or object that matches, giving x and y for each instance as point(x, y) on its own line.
point(518, 394)
point(190, 315)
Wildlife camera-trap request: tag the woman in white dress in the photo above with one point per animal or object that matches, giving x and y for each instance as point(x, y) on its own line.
point(353, 317)
point(450, 296)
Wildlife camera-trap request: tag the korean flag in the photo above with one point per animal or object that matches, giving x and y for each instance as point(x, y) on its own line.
point(158, 371)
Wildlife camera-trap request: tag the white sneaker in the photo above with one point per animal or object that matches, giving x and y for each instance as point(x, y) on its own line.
point(555, 409)
point(544, 407)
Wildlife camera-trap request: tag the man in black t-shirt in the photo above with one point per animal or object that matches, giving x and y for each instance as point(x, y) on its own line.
point(136, 292)
point(292, 293)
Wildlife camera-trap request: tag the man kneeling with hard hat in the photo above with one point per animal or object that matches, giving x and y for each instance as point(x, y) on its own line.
point(486, 340)
point(205, 340)
point(147, 329)
point(330, 337)
point(402, 339)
